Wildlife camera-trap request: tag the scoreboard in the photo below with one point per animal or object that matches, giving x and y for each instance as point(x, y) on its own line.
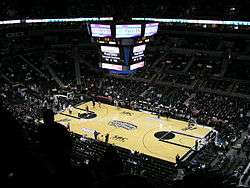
point(122, 46)
point(128, 31)
point(100, 30)
point(138, 52)
point(151, 29)
point(110, 53)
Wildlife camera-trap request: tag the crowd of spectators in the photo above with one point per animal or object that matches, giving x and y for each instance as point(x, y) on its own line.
point(214, 63)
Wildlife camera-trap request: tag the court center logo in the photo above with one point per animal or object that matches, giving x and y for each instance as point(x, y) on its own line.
point(122, 124)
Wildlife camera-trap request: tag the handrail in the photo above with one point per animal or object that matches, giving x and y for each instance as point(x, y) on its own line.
point(192, 21)
point(51, 20)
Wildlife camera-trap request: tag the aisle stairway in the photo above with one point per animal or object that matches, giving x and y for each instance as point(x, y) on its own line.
point(52, 73)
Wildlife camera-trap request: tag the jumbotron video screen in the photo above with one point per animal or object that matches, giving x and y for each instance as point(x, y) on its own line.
point(122, 46)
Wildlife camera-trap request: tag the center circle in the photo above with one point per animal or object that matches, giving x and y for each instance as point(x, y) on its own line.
point(89, 115)
point(164, 135)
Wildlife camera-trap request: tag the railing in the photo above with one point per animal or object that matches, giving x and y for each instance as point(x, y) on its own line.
point(58, 20)
point(245, 178)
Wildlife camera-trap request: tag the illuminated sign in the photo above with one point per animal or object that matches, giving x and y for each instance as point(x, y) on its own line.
point(128, 31)
point(137, 65)
point(111, 66)
point(151, 29)
point(100, 30)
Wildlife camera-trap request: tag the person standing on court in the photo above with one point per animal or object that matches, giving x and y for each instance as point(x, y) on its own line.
point(159, 114)
point(68, 126)
point(95, 134)
point(196, 145)
point(93, 102)
point(115, 103)
point(107, 138)
point(177, 159)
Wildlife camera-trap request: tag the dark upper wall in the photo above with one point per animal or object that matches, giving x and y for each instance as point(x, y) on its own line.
point(122, 9)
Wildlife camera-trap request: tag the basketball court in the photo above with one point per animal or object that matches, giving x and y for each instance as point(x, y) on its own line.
point(138, 131)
